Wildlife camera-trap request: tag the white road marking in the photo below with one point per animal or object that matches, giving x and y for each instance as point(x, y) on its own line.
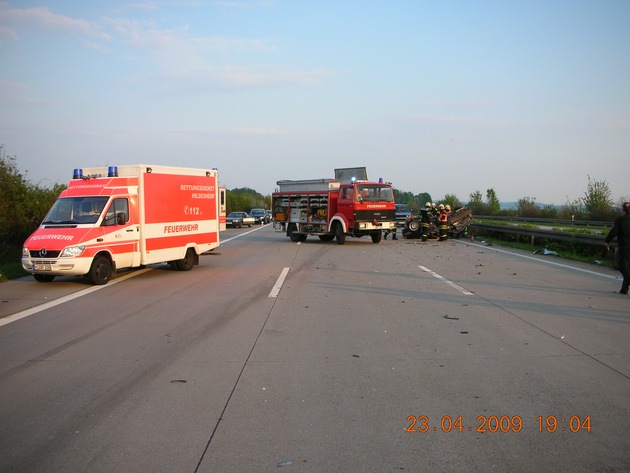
point(69, 297)
point(241, 234)
point(446, 281)
point(276, 289)
point(566, 266)
point(34, 310)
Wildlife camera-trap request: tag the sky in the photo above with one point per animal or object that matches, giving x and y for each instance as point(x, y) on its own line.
point(530, 98)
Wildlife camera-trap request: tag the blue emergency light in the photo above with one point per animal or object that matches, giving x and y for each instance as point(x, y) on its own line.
point(77, 173)
point(112, 171)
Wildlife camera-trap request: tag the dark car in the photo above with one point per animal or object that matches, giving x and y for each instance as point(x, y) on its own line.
point(260, 216)
point(458, 223)
point(238, 219)
point(402, 214)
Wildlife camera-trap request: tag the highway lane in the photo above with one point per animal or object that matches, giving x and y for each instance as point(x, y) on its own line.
point(203, 371)
point(133, 377)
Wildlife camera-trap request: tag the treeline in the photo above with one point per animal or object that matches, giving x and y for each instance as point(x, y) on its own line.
point(244, 199)
point(596, 204)
point(23, 204)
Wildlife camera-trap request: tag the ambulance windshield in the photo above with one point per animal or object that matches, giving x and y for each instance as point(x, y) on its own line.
point(75, 210)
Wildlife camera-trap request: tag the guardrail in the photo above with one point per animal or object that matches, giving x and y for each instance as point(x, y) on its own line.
point(596, 240)
point(585, 223)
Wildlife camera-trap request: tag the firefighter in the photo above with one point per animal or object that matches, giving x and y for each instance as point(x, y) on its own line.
point(425, 221)
point(434, 210)
point(448, 209)
point(443, 223)
point(387, 232)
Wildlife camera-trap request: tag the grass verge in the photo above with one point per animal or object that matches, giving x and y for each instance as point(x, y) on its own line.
point(566, 252)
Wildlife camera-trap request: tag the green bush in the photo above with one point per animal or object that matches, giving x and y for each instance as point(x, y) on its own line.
point(22, 204)
point(22, 207)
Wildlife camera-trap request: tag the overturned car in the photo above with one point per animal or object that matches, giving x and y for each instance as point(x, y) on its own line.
point(458, 223)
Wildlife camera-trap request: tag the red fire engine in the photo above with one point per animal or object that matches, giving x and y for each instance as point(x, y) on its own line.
point(348, 205)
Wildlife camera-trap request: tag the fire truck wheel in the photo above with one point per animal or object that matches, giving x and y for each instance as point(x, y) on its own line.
point(339, 235)
point(43, 277)
point(100, 271)
point(376, 236)
point(292, 231)
point(187, 262)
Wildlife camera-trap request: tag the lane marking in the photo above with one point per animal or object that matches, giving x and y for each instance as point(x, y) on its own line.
point(276, 289)
point(75, 295)
point(446, 281)
point(241, 234)
point(553, 263)
point(61, 300)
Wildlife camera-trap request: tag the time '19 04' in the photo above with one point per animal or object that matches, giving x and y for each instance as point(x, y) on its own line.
point(493, 424)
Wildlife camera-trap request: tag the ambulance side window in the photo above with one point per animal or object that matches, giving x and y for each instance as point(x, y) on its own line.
point(118, 206)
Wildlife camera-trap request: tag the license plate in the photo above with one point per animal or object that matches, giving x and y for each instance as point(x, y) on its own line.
point(42, 267)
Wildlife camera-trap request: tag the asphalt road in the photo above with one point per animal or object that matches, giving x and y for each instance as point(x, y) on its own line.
point(315, 357)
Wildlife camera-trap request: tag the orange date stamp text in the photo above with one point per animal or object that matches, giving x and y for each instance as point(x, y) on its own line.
point(492, 424)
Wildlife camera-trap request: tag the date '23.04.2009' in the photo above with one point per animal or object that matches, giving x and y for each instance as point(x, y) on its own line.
point(493, 424)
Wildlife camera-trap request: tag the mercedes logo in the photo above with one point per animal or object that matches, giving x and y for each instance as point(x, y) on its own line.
point(42, 252)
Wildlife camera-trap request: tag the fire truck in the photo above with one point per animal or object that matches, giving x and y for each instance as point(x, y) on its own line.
point(348, 205)
point(117, 217)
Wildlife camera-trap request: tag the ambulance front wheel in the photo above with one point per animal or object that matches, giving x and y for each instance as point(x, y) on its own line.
point(100, 271)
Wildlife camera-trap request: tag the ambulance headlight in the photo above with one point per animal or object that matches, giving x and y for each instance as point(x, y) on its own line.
point(72, 251)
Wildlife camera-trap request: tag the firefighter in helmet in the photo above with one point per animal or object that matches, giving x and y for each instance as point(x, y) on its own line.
point(425, 221)
point(434, 210)
point(443, 223)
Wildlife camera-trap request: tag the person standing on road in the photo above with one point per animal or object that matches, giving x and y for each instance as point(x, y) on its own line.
point(434, 210)
point(425, 221)
point(443, 223)
point(621, 231)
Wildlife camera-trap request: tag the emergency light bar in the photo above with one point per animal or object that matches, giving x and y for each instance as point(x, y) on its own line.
point(112, 171)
